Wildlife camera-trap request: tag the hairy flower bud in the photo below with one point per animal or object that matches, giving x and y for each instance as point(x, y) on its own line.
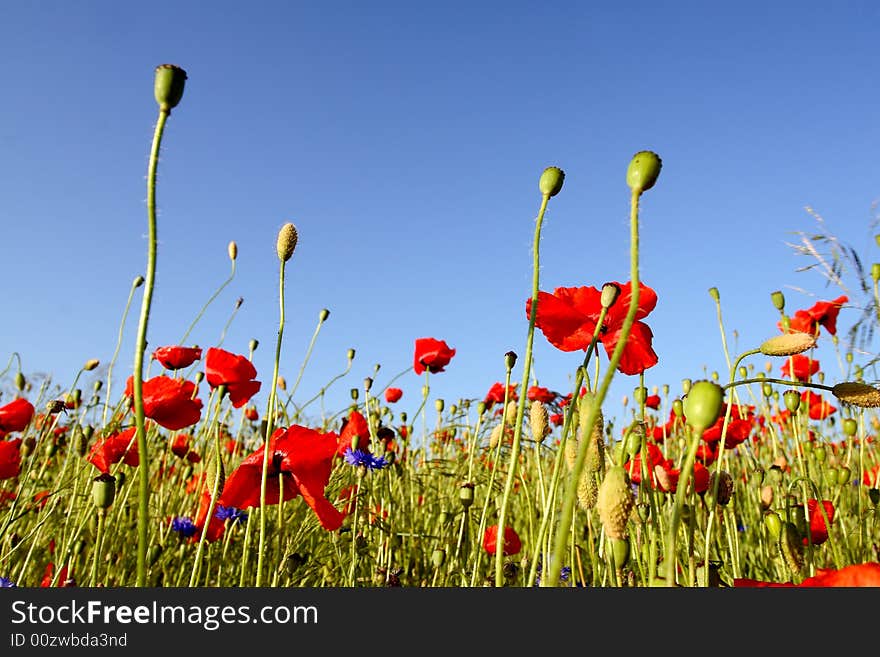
point(232, 249)
point(788, 344)
point(551, 181)
point(643, 170)
point(287, 239)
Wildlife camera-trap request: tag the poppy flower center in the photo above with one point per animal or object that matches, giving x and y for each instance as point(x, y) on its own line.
point(275, 466)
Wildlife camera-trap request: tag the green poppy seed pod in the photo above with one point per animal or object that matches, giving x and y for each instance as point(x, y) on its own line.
point(843, 475)
point(767, 389)
point(138, 281)
point(91, 364)
point(287, 239)
point(685, 386)
point(875, 271)
point(792, 400)
point(97, 385)
point(743, 372)
point(466, 495)
point(198, 376)
point(677, 407)
point(103, 490)
point(439, 405)
point(403, 417)
point(619, 552)
point(350, 355)
point(253, 344)
point(324, 314)
point(778, 300)
point(831, 475)
point(713, 292)
point(20, 381)
point(168, 87)
point(820, 453)
point(368, 383)
point(874, 495)
point(481, 408)
point(509, 360)
point(610, 292)
point(703, 404)
point(850, 426)
point(355, 393)
point(773, 523)
point(232, 250)
point(643, 171)
point(438, 557)
point(640, 394)
point(551, 181)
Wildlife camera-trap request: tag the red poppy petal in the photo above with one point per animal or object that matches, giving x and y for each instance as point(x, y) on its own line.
point(638, 354)
point(564, 326)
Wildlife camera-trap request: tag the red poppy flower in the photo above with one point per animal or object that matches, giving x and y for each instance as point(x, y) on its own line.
point(216, 527)
point(871, 477)
point(15, 415)
point(803, 367)
point(512, 544)
point(667, 477)
point(568, 320)
point(10, 458)
point(49, 573)
point(543, 395)
point(431, 355)
point(113, 449)
point(169, 402)
point(355, 425)
point(176, 357)
point(303, 459)
point(739, 427)
point(251, 413)
point(180, 445)
point(652, 401)
point(237, 373)
point(822, 313)
point(818, 527)
point(818, 408)
point(496, 394)
point(393, 395)
point(855, 575)
point(634, 465)
point(557, 419)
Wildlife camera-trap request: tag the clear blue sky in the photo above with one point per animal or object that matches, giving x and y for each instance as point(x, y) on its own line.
point(405, 141)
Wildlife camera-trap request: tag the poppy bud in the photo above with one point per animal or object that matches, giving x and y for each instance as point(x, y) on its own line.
point(703, 404)
point(350, 355)
point(322, 317)
point(233, 251)
point(368, 383)
point(214, 470)
point(620, 552)
point(788, 344)
point(355, 393)
point(439, 405)
point(677, 407)
point(103, 490)
point(713, 292)
point(778, 300)
point(438, 557)
point(767, 389)
point(551, 181)
point(610, 292)
point(791, 548)
point(91, 364)
point(643, 170)
point(20, 381)
point(850, 426)
point(875, 271)
point(857, 394)
point(287, 239)
point(843, 475)
point(538, 420)
point(640, 394)
point(168, 86)
point(773, 523)
point(831, 475)
point(138, 281)
point(685, 385)
point(282, 383)
point(792, 400)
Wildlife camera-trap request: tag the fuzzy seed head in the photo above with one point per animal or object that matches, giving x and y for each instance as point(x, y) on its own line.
point(232, 249)
point(615, 501)
point(287, 239)
point(788, 344)
point(539, 421)
point(857, 394)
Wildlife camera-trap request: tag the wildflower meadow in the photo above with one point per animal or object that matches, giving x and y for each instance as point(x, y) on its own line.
point(756, 476)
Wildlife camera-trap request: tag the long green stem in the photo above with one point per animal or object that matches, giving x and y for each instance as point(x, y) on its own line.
point(520, 409)
point(568, 502)
point(270, 420)
point(141, 346)
point(138, 281)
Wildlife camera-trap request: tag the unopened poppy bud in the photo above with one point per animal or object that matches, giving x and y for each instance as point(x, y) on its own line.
point(619, 551)
point(355, 393)
point(509, 360)
point(350, 355)
point(703, 404)
point(439, 405)
point(97, 385)
point(875, 271)
point(91, 364)
point(685, 385)
point(138, 281)
point(843, 475)
point(713, 292)
point(20, 381)
point(253, 344)
point(368, 383)
point(103, 490)
point(788, 344)
point(232, 249)
point(767, 389)
point(287, 239)
point(324, 314)
point(403, 417)
point(615, 501)
point(610, 292)
point(640, 394)
point(438, 557)
point(282, 383)
point(551, 181)
point(857, 394)
point(198, 376)
point(481, 408)
point(792, 400)
point(168, 86)
point(643, 170)
point(677, 407)
point(778, 300)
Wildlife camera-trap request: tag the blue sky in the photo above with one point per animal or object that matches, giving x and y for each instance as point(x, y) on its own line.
point(405, 141)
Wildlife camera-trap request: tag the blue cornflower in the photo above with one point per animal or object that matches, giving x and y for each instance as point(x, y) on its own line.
point(230, 513)
point(7, 583)
point(184, 526)
point(358, 457)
